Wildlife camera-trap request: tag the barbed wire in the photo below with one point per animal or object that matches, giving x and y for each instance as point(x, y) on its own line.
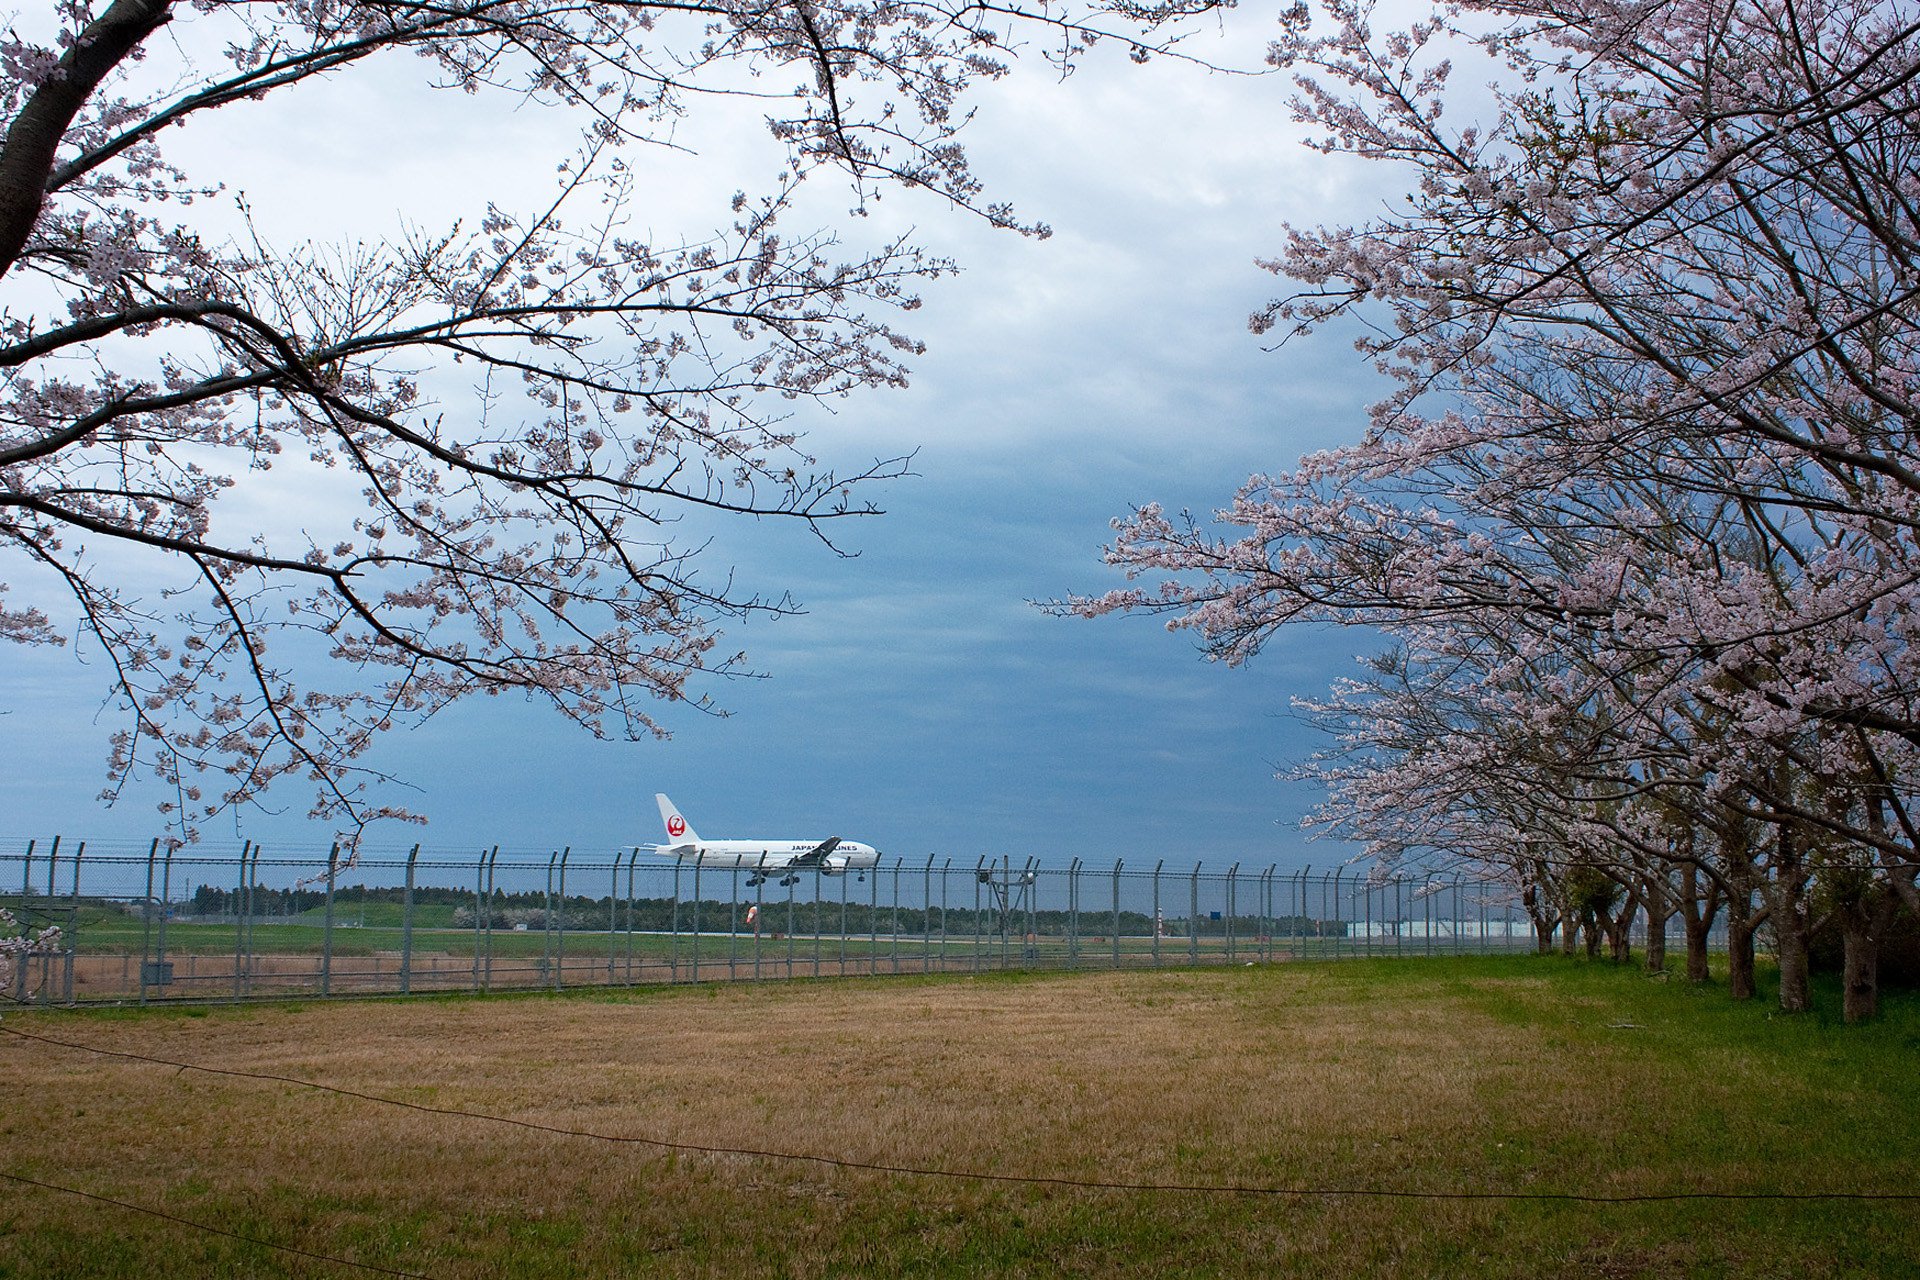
point(840, 1162)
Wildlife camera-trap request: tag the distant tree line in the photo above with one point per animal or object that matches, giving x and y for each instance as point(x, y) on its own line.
point(537, 910)
point(212, 900)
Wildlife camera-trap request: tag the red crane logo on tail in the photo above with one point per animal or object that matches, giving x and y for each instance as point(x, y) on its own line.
point(676, 826)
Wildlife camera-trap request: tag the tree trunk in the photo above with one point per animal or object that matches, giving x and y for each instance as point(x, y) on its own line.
point(1739, 957)
point(1542, 917)
point(1569, 932)
point(1619, 927)
point(1796, 987)
point(1861, 969)
point(1863, 922)
point(1742, 920)
point(1697, 914)
point(34, 138)
point(1791, 923)
point(1659, 903)
point(1698, 969)
point(1620, 943)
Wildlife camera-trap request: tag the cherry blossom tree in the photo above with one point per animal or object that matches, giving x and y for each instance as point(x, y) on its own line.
point(1650, 450)
point(17, 943)
point(518, 540)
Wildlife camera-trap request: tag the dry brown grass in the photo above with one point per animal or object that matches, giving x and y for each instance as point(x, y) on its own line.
point(1294, 1076)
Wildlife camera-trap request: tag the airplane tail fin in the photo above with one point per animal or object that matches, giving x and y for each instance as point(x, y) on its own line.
point(679, 830)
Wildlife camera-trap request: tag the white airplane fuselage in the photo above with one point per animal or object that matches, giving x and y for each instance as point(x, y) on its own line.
point(772, 854)
point(763, 858)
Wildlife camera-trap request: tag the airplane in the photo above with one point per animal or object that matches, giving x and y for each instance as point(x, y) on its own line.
point(830, 857)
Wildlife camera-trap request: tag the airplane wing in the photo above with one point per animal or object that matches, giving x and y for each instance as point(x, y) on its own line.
point(816, 856)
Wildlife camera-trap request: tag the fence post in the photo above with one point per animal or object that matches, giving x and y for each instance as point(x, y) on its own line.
point(759, 919)
point(873, 917)
point(1301, 914)
point(1400, 921)
point(1320, 917)
point(1274, 910)
point(814, 913)
point(70, 936)
point(560, 924)
point(1073, 914)
point(20, 976)
point(239, 929)
point(673, 943)
point(1326, 894)
point(1266, 913)
point(326, 933)
point(1330, 899)
point(482, 911)
point(1030, 873)
point(546, 923)
point(253, 908)
point(493, 860)
point(406, 927)
point(696, 919)
point(926, 916)
point(790, 928)
point(733, 919)
point(631, 859)
point(1233, 909)
point(1366, 888)
point(1193, 917)
point(24, 968)
point(1339, 907)
point(1117, 864)
point(26, 891)
point(166, 892)
point(1156, 911)
point(146, 916)
point(613, 918)
point(1006, 913)
point(979, 877)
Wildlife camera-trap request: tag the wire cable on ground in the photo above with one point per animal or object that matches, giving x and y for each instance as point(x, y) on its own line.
point(209, 1227)
point(1226, 1188)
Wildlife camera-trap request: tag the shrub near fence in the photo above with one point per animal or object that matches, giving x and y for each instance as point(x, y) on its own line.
point(145, 924)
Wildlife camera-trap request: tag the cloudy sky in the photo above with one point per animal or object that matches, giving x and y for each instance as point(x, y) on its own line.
point(921, 704)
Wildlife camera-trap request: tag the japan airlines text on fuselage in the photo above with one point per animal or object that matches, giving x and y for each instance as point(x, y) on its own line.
point(830, 857)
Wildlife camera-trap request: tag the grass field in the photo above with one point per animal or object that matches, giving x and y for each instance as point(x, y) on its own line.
point(1445, 1076)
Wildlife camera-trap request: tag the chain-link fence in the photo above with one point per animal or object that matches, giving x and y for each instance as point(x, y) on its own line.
point(141, 923)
